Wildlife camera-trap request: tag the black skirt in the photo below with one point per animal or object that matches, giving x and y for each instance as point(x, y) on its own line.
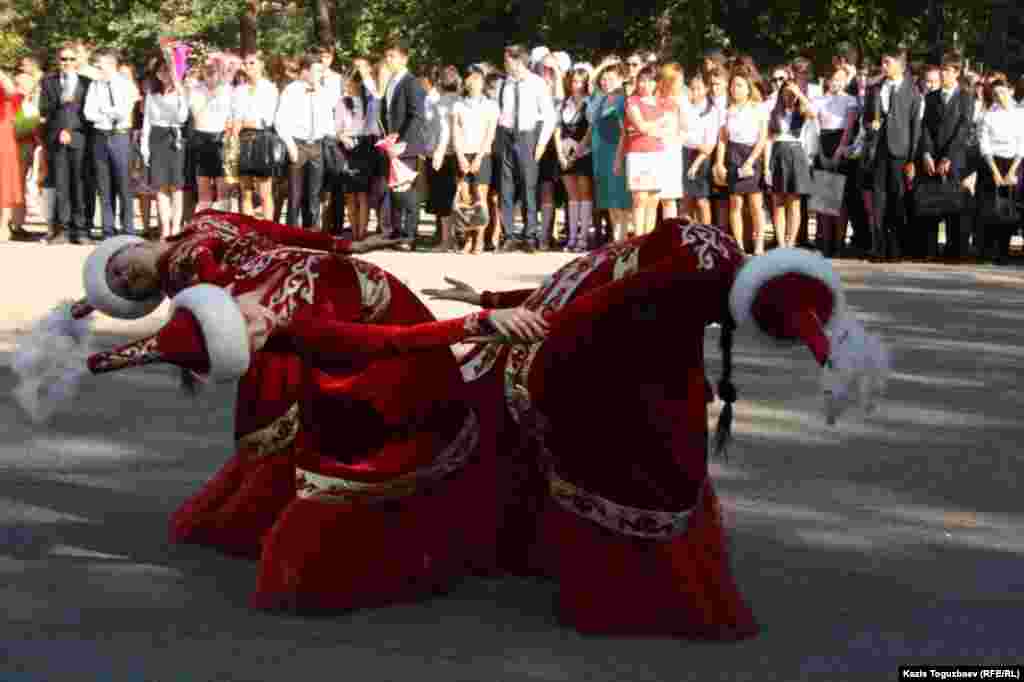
point(364, 163)
point(206, 152)
point(583, 166)
point(166, 158)
point(791, 171)
point(441, 186)
point(829, 141)
point(735, 156)
point(549, 170)
point(698, 187)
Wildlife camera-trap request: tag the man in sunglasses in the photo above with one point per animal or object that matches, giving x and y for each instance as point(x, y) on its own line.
point(61, 108)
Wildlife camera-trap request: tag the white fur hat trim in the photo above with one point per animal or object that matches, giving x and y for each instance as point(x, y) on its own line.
point(224, 329)
point(97, 288)
point(758, 270)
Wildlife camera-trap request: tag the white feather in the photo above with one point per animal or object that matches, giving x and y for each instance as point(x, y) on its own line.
point(50, 361)
point(858, 368)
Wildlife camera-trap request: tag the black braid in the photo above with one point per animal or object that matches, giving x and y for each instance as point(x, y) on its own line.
point(726, 392)
point(189, 384)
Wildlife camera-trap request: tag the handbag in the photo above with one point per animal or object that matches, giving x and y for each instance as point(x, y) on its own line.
point(335, 162)
point(933, 198)
point(1000, 209)
point(262, 154)
point(827, 192)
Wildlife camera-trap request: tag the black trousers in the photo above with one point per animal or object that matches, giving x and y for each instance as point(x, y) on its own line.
point(111, 156)
point(405, 207)
point(305, 180)
point(67, 169)
point(519, 170)
point(890, 232)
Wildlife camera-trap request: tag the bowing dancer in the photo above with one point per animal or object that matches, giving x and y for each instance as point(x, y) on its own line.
point(411, 457)
point(636, 538)
point(127, 278)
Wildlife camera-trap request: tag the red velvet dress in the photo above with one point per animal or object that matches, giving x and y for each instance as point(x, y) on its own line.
point(610, 489)
point(12, 173)
point(287, 270)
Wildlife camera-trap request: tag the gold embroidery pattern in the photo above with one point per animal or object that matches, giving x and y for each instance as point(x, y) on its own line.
point(649, 524)
point(313, 486)
point(552, 294)
point(133, 355)
point(520, 358)
point(298, 286)
point(708, 244)
point(274, 437)
point(374, 289)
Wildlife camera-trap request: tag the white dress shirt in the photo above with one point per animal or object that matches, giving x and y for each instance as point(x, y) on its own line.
point(304, 114)
point(68, 83)
point(702, 124)
point(334, 82)
point(109, 104)
point(167, 110)
point(255, 105)
point(536, 106)
point(1002, 133)
point(476, 117)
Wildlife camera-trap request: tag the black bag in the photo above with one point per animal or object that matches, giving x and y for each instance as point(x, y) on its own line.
point(937, 197)
point(262, 154)
point(334, 160)
point(1000, 208)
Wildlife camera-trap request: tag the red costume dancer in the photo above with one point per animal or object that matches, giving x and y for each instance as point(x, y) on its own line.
point(613, 404)
point(408, 449)
point(284, 270)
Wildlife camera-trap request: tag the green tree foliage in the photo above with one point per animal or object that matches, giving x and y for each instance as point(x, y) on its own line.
point(464, 31)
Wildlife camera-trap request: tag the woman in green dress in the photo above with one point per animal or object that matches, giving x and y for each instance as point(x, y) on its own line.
point(606, 129)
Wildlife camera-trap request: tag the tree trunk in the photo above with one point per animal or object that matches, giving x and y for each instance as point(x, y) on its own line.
point(247, 40)
point(322, 24)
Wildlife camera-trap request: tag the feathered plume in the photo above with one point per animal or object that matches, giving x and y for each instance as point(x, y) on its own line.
point(50, 361)
point(858, 368)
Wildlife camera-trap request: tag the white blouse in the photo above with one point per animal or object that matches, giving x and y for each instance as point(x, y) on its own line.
point(744, 125)
point(218, 104)
point(1002, 133)
point(833, 110)
point(261, 105)
point(702, 124)
point(476, 117)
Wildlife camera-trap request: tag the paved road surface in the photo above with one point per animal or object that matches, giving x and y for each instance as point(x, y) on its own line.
point(878, 543)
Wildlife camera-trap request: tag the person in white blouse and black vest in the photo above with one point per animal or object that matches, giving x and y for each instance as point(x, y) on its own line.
point(899, 128)
point(948, 112)
point(305, 116)
point(66, 130)
point(526, 121)
point(403, 119)
point(109, 105)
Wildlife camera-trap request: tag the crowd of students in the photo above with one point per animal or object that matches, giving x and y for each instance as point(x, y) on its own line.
point(499, 150)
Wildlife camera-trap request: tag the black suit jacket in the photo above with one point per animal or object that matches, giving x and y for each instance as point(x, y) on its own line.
point(406, 115)
point(946, 126)
point(901, 126)
point(63, 116)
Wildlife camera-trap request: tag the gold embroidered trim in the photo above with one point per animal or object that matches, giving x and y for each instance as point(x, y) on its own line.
point(374, 289)
point(322, 488)
point(708, 244)
point(133, 355)
point(550, 297)
point(274, 437)
point(650, 524)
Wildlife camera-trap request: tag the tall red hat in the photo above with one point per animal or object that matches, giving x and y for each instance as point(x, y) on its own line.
point(794, 296)
point(207, 334)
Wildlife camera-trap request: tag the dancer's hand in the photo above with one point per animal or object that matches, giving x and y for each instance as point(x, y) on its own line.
point(519, 325)
point(259, 321)
point(460, 291)
point(374, 242)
